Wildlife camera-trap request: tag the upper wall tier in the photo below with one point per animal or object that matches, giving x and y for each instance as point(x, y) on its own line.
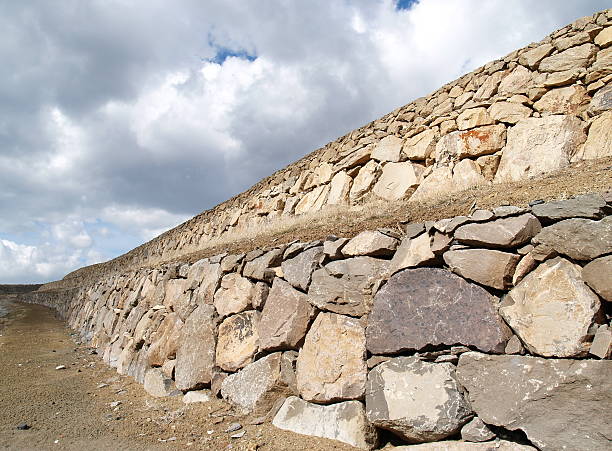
point(534, 111)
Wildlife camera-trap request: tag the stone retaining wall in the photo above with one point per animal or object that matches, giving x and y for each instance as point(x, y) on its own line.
point(533, 111)
point(469, 327)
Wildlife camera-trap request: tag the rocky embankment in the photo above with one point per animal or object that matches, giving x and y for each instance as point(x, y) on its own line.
point(469, 327)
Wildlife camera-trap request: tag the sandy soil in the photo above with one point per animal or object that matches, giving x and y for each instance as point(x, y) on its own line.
point(70, 409)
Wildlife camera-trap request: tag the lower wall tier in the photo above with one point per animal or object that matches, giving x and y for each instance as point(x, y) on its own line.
point(464, 328)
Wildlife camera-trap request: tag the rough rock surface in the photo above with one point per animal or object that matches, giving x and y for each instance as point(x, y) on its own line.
point(485, 266)
point(397, 179)
point(598, 275)
point(539, 145)
point(599, 142)
point(238, 340)
point(602, 342)
point(156, 384)
point(345, 422)
point(285, 317)
point(501, 445)
point(476, 431)
point(298, 270)
point(260, 268)
point(164, 341)
point(370, 242)
point(331, 365)
point(195, 356)
point(503, 233)
point(412, 252)
point(419, 401)
point(258, 386)
point(590, 206)
point(345, 286)
point(579, 239)
point(558, 403)
point(432, 306)
point(551, 309)
point(234, 295)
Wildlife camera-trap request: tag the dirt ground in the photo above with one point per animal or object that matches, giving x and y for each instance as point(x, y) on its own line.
point(70, 409)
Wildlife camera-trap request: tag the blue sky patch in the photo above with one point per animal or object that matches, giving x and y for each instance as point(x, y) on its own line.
point(405, 4)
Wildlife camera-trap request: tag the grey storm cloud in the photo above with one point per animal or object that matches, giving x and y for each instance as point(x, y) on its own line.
point(119, 119)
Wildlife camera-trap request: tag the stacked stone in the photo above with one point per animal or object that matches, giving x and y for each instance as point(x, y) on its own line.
point(533, 111)
point(466, 327)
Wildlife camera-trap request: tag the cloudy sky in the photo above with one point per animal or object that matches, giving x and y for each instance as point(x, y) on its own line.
point(122, 118)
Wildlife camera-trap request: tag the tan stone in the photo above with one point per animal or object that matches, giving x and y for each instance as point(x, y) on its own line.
point(451, 445)
point(539, 145)
point(516, 82)
point(466, 174)
point(598, 275)
point(412, 252)
point(313, 201)
point(340, 188)
point(551, 309)
point(331, 365)
point(569, 100)
point(602, 100)
point(488, 165)
point(602, 66)
point(285, 317)
point(569, 59)
point(364, 180)
point(524, 267)
point(388, 149)
point(420, 146)
point(563, 78)
point(599, 141)
point(203, 277)
point(471, 143)
point(486, 266)
point(604, 38)
point(238, 340)
point(370, 242)
point(509, 112)
point(503, 233)
point(397, 179)
point(489, 87)
point(474, 117)
point(156, 384)
point(602, 343)
point(234, 295)
point(532, 58)
point(571, 41)
point(164, 341)
point(444, 179)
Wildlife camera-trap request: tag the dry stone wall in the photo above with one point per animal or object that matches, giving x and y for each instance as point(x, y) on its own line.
point(533, 111)
point(469, 327)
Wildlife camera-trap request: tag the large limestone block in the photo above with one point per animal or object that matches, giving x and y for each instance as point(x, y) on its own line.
point(473, 117)
point(471, 143)
point(602, 100)
point(176, 299)
point(509, 112)
point(331, 365)
point(339, 189)
point(558, 403)
point(430, 306)
point(570, 59)
point(599, 141)
point(234, 295)
point(345, 286)
point(397, 179)
point(532, 58)
point(370, 242)
point(604, 38)
point(412, 252)
point(164, 341)
point(539, 145)
point(598, 275)
point(203, 277)
point(156, 384)
point(590, 206)
point(504, 233)
point(261, 268)
point(238, 340)
point(416, 400)
point(568, 100)
point(602, 66)
point(449, 445)
point(195, 356)
point(345, 422)
point(420, 146)
point(485, 266)
point(258, 386)
point(285, 317)
point(364, 180)
point(579, 239)
point(516, 82)
point(551, 309)
point(313, 201)
point(388, 149)
point(298, 270)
